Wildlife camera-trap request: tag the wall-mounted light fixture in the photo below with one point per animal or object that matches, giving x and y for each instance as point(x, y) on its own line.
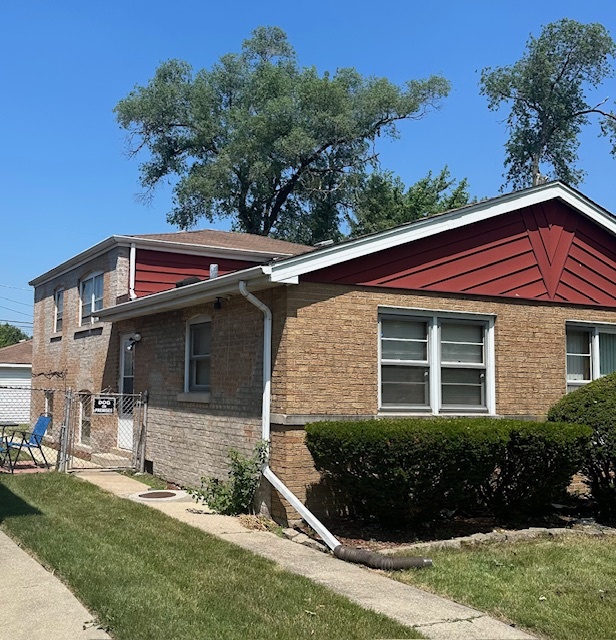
point(133, 340)
point(218, 304)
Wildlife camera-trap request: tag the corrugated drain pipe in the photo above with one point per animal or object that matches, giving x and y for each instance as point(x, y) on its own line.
point(360, 556)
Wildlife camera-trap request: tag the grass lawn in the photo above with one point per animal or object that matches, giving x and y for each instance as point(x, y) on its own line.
point(147, 576)
point(561, 588)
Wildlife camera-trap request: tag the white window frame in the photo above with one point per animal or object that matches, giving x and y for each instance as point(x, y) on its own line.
point(58, 301)
point(595, 329)
point(188, 388)
point(95, 302)
point(434, 363)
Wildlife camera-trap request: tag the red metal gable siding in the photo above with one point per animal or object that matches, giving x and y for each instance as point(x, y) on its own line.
point(159, 270)
point(545, 252)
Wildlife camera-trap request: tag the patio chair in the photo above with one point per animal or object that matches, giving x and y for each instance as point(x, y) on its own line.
point(5, 453)
point(28, 440)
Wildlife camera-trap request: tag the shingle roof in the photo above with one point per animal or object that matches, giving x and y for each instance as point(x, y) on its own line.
point(229, 240)
point(20, 353)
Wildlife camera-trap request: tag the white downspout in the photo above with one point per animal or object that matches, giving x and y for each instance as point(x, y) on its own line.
point(269, 475)
point(132, 268)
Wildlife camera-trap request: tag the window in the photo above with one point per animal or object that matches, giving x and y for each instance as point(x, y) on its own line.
point(198, 347)
point(591, 353)
point(91, 292)
point(58, 298)
point(436, 363)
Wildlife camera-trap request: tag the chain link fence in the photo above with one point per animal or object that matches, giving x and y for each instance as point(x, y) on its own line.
point(87, 431)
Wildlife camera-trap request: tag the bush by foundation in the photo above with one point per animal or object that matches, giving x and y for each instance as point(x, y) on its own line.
point(412, 469)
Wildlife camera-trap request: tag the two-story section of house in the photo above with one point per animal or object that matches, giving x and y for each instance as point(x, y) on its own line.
point(73, 349)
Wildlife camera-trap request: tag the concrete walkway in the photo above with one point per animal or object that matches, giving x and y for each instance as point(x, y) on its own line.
point(433, 616)
point(51, 612)
point(35, 605)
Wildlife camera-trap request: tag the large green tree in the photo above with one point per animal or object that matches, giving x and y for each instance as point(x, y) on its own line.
point(10, 334)
point(383, 201)
point(274, 146)
point(547, 91)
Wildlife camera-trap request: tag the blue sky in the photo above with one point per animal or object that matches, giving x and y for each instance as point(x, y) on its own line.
point(66, 182)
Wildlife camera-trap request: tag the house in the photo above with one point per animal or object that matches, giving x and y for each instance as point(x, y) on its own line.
point(15, 382)
point(497, 308)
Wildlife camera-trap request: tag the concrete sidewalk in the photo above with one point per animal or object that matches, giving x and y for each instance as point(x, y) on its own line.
point(433, 616)
point(35, 604)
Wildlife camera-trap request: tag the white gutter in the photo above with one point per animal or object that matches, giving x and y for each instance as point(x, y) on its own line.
point(132, 262)
point(268, 474)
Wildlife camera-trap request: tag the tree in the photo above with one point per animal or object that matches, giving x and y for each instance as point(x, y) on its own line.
point(262, 141)
point(547, 91)
point(11, 335)
point(383, 203)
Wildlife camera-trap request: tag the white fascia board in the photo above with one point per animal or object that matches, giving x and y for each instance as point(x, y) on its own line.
point(6, 365)
point(152, 245)
point(188, 248)
point(76, 261)
point(187, 296)
point(296, 266)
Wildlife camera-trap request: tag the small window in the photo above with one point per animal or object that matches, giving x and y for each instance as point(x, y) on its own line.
point(58, 310)
point(591, 353)
point(198, 347)
point(91, 293)
point(437, 363)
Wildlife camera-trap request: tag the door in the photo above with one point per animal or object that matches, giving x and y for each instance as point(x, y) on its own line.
point(126, 387)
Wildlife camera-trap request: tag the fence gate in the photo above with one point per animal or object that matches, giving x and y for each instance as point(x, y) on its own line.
point(103, 430)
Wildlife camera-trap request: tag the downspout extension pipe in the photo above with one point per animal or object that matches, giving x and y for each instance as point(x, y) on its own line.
point(379, 561)
point(360, 556)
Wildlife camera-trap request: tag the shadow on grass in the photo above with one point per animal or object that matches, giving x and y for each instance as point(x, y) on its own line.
point(12, 505)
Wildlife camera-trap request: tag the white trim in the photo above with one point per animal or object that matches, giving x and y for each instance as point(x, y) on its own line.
point(301, 264)
point(6, 365)
point(132, 269)
point(434, 360)
point(198, 293)
point(168, 246)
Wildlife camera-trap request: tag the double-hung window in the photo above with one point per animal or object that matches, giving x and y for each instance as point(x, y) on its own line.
point(91, 294)
point(198, 347)
point(591, 353)
point(58, 298)
point(437, 363)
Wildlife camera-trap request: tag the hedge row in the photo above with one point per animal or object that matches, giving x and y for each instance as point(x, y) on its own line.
point(594, 404)
point(403, 469)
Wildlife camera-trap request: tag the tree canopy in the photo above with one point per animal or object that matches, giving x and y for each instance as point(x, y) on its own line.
point(383, 201)
point(10, 334)
point(276, 147)
point(547, 90)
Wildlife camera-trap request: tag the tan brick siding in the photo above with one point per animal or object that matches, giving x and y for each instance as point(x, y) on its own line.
point(87, 353)
point(186, 440)
point(328, 354)
point(327, 363)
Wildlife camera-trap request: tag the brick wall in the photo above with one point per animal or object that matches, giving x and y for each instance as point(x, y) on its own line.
point(84, 352)
point(186, 440)
point(327, 364)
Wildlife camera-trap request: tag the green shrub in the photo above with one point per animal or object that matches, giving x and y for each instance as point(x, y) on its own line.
point(401, 469)
point(594, 404)
point(236, 494)
point(539, 460)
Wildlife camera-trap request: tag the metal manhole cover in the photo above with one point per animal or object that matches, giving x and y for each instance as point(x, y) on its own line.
point(158, 494)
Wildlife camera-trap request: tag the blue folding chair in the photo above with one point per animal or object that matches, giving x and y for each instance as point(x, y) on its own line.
point(29, 440)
